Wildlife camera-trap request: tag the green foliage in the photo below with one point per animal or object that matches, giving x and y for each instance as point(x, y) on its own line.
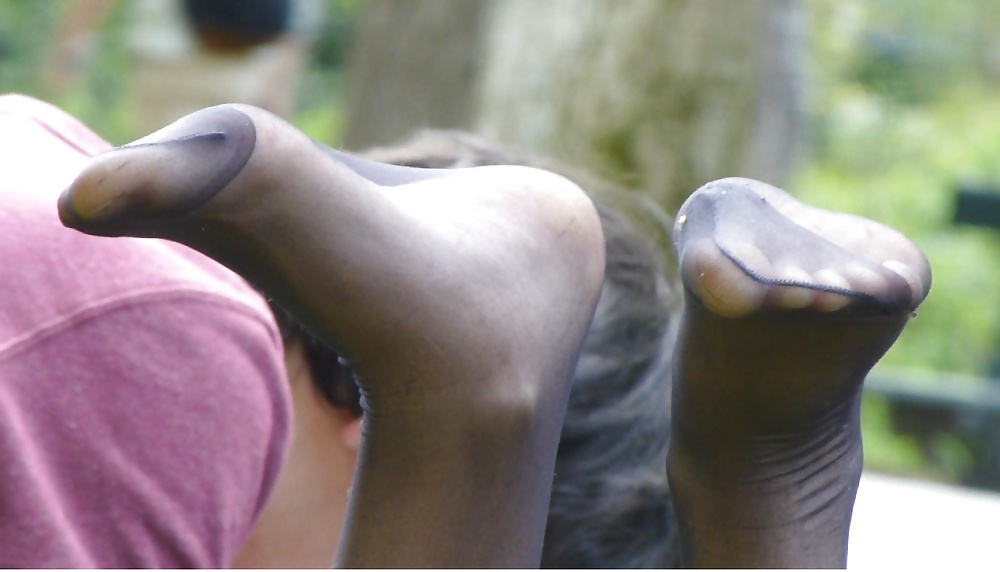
point(336, 34)
point(883, 450)
point(24, 32)
point(881, 155)
point(904, 110)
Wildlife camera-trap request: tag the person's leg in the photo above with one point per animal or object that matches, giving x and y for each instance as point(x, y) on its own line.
point(787, 308)
point(766, 450)
point(461, 300)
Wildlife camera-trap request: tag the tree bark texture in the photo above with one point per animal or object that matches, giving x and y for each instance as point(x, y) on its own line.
point(657, 95)
point(413, 65)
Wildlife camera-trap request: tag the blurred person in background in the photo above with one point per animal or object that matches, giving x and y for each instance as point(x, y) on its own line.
point(190, 54)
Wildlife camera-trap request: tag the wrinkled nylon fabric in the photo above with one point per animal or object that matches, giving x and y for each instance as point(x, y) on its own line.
point(763, 226)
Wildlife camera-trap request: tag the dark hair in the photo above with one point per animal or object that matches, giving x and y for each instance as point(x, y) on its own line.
point(610, 504)
point(237, 24)
point(331, 375)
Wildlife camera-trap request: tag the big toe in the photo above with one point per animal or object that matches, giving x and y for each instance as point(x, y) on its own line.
point(165, 175)
point(745, 246)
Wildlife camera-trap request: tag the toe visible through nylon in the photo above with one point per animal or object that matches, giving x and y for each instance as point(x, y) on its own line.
point(168, 174)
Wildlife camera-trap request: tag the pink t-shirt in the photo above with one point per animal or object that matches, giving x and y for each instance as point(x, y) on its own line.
point(144, 410)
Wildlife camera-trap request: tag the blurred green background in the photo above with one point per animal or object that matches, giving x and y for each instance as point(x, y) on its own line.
point(903, 107)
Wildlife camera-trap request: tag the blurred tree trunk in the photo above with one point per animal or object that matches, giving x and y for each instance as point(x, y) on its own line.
point(659, 95)
point(413, 65)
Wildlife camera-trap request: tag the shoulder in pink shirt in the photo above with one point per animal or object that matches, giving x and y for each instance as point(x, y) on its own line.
point(144, 411)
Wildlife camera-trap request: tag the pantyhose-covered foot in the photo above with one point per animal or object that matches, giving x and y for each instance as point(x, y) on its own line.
point(461, 297)
point(787, 309)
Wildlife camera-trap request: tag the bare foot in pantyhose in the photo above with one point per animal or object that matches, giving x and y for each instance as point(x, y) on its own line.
point(787, 309)
point(461, 297)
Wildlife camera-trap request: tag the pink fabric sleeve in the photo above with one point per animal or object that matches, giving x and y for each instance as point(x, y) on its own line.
point(141, 435)
point(55, 122)
point(144, 408)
